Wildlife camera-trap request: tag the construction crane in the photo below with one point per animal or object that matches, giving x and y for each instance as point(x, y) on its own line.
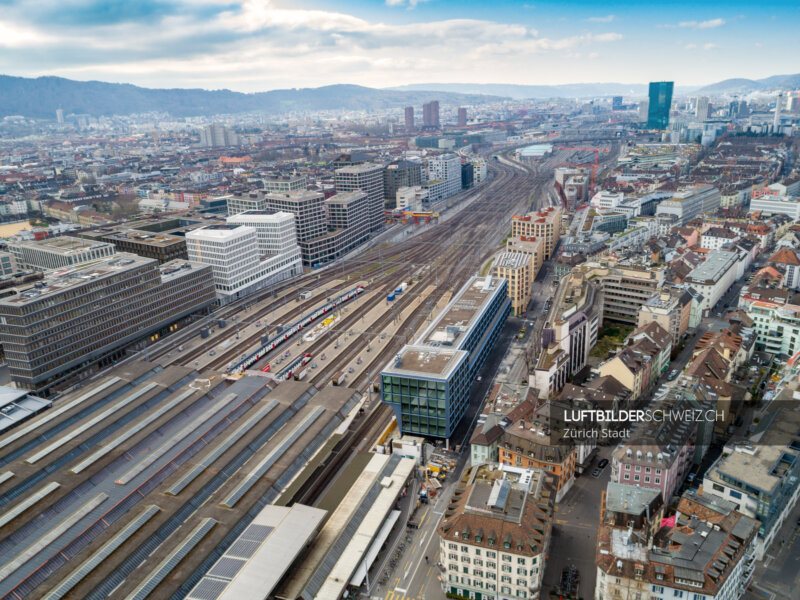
point(593, 165)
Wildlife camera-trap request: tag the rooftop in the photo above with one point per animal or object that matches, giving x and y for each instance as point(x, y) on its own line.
point(715, 266)
point(425, 360)
point(64, 245)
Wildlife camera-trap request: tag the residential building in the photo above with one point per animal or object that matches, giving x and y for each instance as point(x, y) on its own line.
point(446, 168)
point(399, 175)
point(776, 318)
point(671, 308)
point(409, 118)
point(660, 101)
point(658, 454)
point(428, 383)
point(516, 268)
point(368, 178)
point(717, 237)
point(701, 110)
point(713, 277)
point(760, 475)
point(528, 245)
point(788, 260)
point(494, 539)
point(430, 115)
point(218, 136)
point(234, 255)
point(57, 329)
point(688, 203)
point(57, 252)
point(625, 286)
point(544, 224)
point(708, 554)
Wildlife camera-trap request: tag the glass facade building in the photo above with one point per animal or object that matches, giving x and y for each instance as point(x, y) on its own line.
point(428, 383)
point(660, 101)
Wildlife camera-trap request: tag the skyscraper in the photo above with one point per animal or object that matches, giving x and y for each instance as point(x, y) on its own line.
point(776, 122)
point(616, 103)
point(409, 118)
point(660, 102)
point(462, 117)
point(60, 116)
point(702, 109)
point(430, 114)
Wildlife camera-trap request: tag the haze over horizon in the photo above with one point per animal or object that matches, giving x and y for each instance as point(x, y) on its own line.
point(260, 45)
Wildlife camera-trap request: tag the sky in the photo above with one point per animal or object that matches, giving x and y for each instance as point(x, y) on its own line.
point(259, 45)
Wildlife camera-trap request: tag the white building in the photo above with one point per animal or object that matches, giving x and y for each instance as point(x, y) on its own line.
point(714, 276)
point(233, 252)
point(606, 199)
point(446, 168)
point(776, 205)
point(717, 237)
point(688, 203)
point(411, 198)
point(479, 170)
point(275, 231)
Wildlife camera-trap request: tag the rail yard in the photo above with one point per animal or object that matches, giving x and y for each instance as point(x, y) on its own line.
point(137, 482)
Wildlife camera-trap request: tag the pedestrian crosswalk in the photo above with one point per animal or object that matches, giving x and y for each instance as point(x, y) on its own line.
point(399, 594)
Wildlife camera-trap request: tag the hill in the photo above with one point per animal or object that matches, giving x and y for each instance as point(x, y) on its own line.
point(40, 97)
point(744, 86)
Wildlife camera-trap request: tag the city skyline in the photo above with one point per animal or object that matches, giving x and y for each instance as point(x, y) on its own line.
point(261, 45)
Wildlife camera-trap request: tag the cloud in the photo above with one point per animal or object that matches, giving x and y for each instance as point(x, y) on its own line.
point(709, 46)
point(710, 24)
point(690, 46)
point(410, 4)
point(606, 19)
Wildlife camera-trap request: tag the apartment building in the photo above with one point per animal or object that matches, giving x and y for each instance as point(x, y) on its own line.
point(398, 175)
point(528, 245)
point(717, 237)
point(446, 168)
point(671, 308)
point(516, 268)
point(495, 536)
point(708, 554)
point(760, 476)
point(367, 177)
point(544, 224)
point(58, 329)
point(625, 287)
point(58, 252)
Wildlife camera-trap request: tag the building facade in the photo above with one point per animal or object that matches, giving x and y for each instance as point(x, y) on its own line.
point(58, 252)
point(368, 178)
point(659, 103)
point(544, 224)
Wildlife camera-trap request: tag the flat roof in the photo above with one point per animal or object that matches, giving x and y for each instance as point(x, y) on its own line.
point(426, 361)
point(717, 262)
point(145, 237)
point(512, 260)
point(357, 169)
point(57, 282)
point(64, 244)
point(460, 315)
point(259, 558)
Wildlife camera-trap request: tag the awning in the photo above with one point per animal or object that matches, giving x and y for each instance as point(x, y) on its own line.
point(372, 552)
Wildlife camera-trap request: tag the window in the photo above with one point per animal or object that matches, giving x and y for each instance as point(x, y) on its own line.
point(734, 494)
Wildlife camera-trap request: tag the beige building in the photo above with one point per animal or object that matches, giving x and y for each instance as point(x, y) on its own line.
point(626, 287)
point(544, 224)
point(494, 536)
point(528, 245)
point(517, 269)
point(669, 307)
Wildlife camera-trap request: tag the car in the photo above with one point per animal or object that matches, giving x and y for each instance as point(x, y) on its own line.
point(672, 375)
point(602, 464)
point(691, 477)
point(596, 472)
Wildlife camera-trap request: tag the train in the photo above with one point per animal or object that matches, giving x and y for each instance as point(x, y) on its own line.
point(294, 329)
point(293, 368)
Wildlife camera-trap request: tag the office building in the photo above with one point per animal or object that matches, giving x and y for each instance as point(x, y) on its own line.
point(430, 115)
point(84, 317)
point(164, 247)
point(688, 203)
point(447, 169)
point(616, 103)
point(517, 269)
point(701, 110)
point(275, 231)
point(760, 477)
point(285, 183)
point(310, 218)
point(708, 554)
point(348, 222)
point(57, 252)
point(428, 383)
point(60, 116)
point(544, 224)
point(239, 202)
point(714, 276)
point(367, 177)
point(233, 252)
point(671, 308)
point(462, 117)
point(400, 174)
point(660, 100)
point(8, 263)
point(769, 204)
point(409, 116)
point(495, 537)
point(218, 136)
point(625, 287)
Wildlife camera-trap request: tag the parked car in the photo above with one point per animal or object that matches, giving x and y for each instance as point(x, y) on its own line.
point(596, 472)
point(602, 464)
point(672, 375)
